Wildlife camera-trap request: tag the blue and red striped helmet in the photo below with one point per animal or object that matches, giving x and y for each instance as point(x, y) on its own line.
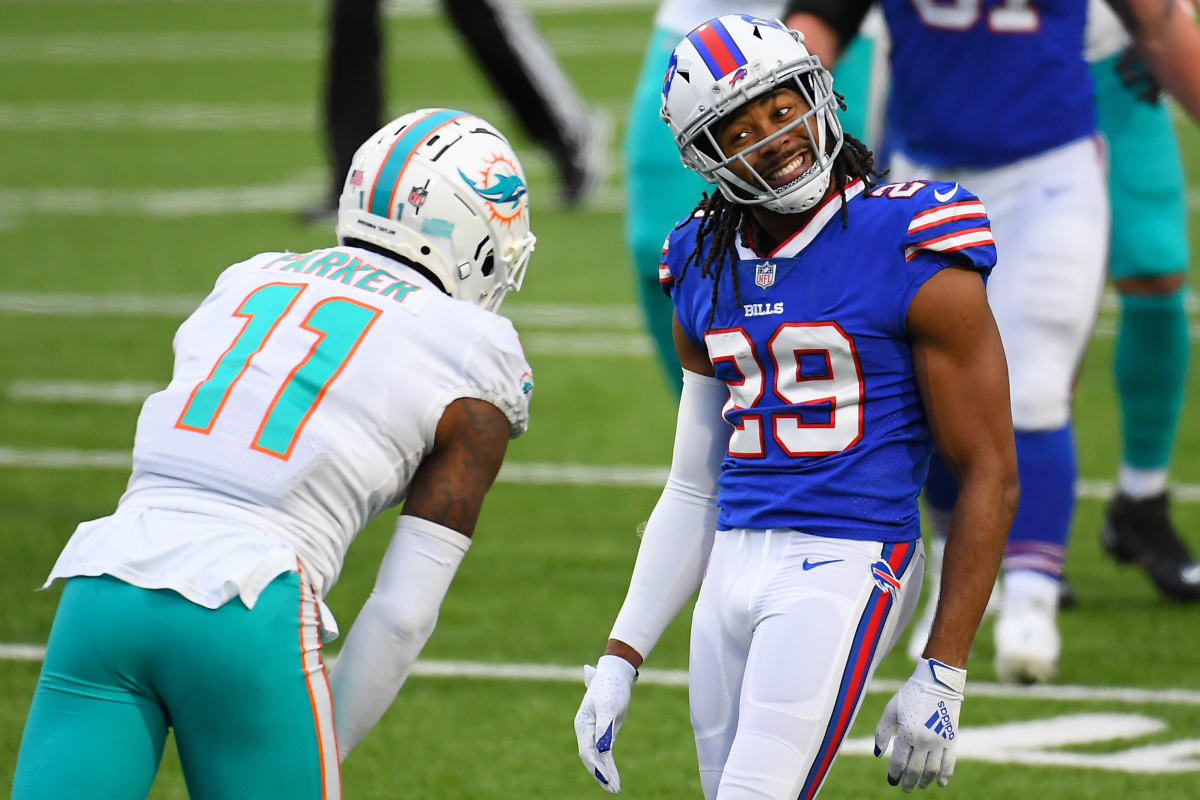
point(719, 67)
point(443, 188)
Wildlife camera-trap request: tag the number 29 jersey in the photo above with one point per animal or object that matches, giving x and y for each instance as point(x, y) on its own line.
point(307, 388)
point(829, 436)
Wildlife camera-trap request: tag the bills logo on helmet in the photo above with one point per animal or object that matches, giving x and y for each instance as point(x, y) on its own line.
point(737, 76)
point(764, 275)
point(885, 579)
point(671, 65)
point(501, 188)
point(769, 23)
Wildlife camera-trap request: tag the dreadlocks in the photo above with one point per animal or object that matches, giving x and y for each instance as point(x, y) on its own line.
point(725, 220)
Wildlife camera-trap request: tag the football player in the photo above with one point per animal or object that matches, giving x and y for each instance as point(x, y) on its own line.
point(1148, 255)
point(311, 391)
point(998, 68)
point(658, 190)
point(831, 331)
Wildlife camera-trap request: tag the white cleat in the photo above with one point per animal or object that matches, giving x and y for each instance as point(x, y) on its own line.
point(1027, 642)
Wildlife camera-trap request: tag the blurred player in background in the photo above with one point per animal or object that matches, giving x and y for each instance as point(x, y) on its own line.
point(1041, 175)
point(311, 391)
point(512, 54)
point(830, 331)
point(1148, 257)
point(658, 189)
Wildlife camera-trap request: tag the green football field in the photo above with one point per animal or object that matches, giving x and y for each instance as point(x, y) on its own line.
point(147, 145)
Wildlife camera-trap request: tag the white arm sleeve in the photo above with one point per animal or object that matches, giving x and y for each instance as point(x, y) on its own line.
point(394, 625)
point(679, 534)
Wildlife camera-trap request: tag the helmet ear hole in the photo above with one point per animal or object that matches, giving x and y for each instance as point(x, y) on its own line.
point(489, 265)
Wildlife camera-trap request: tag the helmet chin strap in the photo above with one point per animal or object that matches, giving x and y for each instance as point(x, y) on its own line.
point(807, 196)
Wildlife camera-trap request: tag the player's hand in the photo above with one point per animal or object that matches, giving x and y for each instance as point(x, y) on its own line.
point(923, 716)
point(605, 703)
point(1136, 75)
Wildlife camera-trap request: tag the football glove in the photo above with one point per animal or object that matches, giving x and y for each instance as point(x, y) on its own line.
point(605, 703)
point(923, 716)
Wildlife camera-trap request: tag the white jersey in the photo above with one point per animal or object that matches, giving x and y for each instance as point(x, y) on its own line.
point(307, 389)
point(683, 15)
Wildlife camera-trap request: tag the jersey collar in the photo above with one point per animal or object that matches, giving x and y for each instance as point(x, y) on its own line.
point(792, 246)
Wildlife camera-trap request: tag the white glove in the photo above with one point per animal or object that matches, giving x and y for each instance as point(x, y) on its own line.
point(605, 703)
point(923, 715)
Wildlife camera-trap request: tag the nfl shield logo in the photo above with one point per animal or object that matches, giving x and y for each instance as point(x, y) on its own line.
point(416, 196)
point(764, 275)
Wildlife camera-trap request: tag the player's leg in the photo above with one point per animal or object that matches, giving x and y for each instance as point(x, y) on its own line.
point(521, 67)
point(353, 91)
point(1147, 263)
point(259, 723)
point(659, 193)
point(823, 621)
point(1050, 215)
point(94, 721)
point(720, 640)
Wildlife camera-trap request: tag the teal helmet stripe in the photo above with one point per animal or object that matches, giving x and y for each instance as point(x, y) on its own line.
point(399, 155)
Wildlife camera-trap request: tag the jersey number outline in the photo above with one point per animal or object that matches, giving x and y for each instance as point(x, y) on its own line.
point(1011, 16)
point(340, 325)
point(840, 385)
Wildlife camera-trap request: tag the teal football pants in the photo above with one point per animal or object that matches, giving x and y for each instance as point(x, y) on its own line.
point(661, 191)
point(243, 689)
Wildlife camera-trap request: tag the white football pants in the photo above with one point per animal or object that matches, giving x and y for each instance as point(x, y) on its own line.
point(1050, 219)
point(787, 631)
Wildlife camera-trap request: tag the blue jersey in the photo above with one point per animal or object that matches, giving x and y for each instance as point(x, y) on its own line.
point(984, 83)
point(829, 434)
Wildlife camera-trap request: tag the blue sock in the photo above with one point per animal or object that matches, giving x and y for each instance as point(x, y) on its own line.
point(1046, 466)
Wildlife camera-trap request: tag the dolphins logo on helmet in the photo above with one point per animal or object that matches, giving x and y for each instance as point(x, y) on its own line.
point(472, 233)
point(503, 194)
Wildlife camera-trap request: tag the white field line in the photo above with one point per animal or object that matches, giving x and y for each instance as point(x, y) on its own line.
point(605, 316)
point(209, 117)
point(521, 473)
point(280, 46)
point(288, 196)
point(556, 673)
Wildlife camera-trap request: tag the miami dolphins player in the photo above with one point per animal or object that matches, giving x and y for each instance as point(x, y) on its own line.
point(311, 391)
point(831, 330)
point(999, 65)
point(1148, 256)
point(658, 190)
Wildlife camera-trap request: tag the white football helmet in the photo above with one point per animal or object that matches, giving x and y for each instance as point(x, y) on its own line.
point(722, 65)
point(444, 189)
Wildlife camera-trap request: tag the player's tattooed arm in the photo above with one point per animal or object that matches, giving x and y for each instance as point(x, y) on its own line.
point(963, 377)
point(1166, 34)
point(468, 449)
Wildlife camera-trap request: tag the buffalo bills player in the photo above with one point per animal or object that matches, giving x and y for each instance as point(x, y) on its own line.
point(1014, 117)
point(830, 332)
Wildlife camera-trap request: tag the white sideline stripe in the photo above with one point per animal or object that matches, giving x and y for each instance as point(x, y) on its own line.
point(556, 673)
point(287, 46)
point(109, 393)
point(624, 316)
point(524, 473)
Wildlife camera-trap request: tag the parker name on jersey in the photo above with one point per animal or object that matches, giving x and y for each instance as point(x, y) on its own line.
point(307, 388)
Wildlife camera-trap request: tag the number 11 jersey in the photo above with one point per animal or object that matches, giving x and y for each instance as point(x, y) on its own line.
point(307, 389)
point(829, 436)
